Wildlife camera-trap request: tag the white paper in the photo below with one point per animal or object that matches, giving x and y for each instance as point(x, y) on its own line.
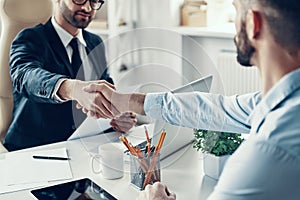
point(135, 136)
point(14, 188)
point(90, 127)
point(91, 144)
point(21, 168)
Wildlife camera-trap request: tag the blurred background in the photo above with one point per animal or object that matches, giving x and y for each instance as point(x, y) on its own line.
point(172, 42)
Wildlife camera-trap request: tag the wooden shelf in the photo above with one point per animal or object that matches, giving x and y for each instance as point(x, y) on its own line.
point(221, 31)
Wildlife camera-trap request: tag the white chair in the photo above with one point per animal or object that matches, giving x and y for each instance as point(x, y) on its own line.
point(15, 15)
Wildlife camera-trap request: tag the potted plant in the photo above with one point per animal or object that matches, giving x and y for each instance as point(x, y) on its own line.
point(217, 147)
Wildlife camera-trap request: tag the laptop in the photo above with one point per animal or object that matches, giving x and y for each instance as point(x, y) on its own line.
point(178, 137)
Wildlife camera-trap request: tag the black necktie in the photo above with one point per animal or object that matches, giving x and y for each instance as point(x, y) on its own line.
point(76, 60)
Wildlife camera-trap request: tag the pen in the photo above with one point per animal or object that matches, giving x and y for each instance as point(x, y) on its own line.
point(50, 158)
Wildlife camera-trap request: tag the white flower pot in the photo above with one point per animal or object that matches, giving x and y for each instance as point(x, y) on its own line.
point(213, 165)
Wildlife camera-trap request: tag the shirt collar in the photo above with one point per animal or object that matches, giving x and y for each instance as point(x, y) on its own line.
point(65, 36)
point(278, 93)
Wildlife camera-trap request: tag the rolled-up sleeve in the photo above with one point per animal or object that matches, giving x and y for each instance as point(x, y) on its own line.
point(203, 110)
point(153, 105)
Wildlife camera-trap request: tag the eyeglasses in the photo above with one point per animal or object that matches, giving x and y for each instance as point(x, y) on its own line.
point(95, 4)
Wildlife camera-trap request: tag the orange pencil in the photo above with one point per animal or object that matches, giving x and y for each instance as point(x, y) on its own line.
point(152, 166)
point(142, 162)
point(148, 140)
point(126, 143)
point(136, 152)
point(160, 142)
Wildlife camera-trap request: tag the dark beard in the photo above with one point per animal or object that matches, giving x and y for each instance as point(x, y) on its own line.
point(70, 17)
point(81, 23)
point(244, 48)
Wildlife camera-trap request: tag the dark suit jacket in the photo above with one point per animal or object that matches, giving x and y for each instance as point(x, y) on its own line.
point(38, 59)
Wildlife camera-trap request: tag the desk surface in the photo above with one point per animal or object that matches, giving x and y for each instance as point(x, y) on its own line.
point(181, 172)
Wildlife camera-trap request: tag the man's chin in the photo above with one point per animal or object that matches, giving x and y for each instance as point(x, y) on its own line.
point(82, 26)
point(82, 22)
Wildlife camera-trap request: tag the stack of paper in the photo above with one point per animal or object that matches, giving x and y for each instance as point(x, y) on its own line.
point(19, 170)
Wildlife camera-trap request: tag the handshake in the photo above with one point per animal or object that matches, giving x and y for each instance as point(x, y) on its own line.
point(99, 99)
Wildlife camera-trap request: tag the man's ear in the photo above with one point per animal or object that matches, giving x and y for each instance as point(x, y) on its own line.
point(253, 23)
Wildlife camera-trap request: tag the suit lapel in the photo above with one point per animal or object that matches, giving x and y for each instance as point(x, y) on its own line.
point(58, 47)
point(96, 55)
point(90, 50)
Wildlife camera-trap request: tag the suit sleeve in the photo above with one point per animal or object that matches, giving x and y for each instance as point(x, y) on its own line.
point(27, 67)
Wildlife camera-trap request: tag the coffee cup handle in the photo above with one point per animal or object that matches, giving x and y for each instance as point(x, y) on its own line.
point(100, 166)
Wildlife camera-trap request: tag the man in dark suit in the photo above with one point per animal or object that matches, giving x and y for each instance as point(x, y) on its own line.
point(44, 66)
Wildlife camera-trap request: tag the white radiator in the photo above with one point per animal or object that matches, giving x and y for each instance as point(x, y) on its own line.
point(236, 78)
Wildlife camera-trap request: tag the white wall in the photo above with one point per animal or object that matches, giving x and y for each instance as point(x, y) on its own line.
point(154, 46)
point(153, 49)
point(159, 13)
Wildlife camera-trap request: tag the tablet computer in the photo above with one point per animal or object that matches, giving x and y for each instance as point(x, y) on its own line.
point(83, 189)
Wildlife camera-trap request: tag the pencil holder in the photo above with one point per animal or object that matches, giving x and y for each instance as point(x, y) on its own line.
point(144, 171)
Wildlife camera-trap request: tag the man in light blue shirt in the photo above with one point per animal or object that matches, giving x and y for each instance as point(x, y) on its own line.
point(267, 165)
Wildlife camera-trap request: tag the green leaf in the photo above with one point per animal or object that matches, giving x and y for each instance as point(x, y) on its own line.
point(217, 143)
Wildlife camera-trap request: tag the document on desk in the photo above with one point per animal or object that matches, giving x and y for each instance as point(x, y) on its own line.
point(90, 127)
point(20, 168)
point(20, 187)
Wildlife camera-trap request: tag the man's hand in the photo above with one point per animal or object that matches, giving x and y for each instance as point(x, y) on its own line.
point(97, 105)
point(157, 191)
point(124, 122)
point(120, 103)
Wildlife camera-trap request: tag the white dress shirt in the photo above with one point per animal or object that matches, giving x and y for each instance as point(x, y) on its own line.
point(66, 39)
point(267, 165)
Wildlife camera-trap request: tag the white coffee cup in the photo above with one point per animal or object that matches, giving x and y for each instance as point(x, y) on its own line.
point(110, 159)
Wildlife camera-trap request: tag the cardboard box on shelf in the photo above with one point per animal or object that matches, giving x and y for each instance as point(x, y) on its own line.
point(193, 13)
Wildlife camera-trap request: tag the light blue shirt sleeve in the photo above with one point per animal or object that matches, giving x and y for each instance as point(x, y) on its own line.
point(203, 110)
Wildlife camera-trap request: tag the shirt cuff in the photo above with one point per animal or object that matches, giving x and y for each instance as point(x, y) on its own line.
point(153, 105)
point(54, 94)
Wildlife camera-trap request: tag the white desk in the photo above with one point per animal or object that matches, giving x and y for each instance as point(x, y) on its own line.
point(182, 173)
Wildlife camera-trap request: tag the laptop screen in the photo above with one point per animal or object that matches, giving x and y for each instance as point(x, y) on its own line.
point(179, 137)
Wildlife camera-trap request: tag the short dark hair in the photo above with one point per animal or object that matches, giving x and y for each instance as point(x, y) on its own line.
point(283, 18)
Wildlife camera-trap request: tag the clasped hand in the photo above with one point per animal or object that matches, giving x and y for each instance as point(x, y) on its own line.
point(94, 104)
point(94, 98)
